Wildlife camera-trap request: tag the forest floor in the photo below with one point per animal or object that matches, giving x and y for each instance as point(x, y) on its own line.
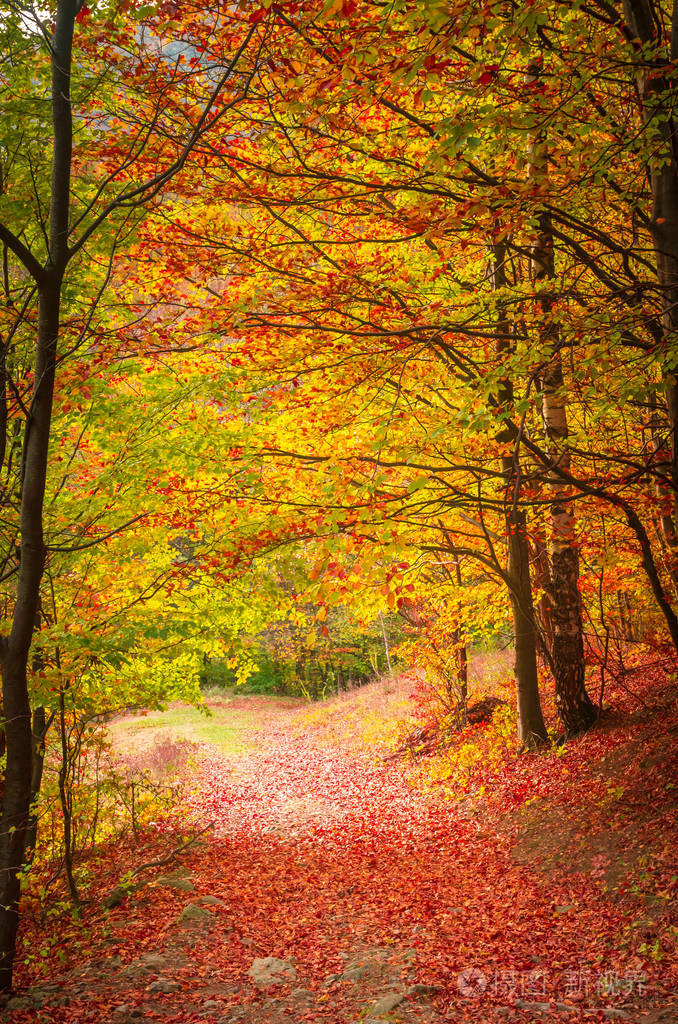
point(333, 887)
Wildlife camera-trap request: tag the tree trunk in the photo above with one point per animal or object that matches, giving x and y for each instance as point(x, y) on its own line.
point(15, 806)
point(462, 656)
point(38, 763)
point(542, 578)
point(575, 708)
point(531, 727)
point(39, 731)
point(66, 785)
point(15, 648)
point(661, 455)
point(386, 646)
point(16, 706)
point(657, 94)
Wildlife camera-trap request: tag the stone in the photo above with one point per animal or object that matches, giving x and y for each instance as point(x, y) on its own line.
point(40, 994)
point(116, 897)
point(236, 1014)
point(164, 985)
point(211, 901)
point(19, 1003)
point(192, 912)
point(132, 972)
point(300, 995)
point(423, 990)
point(355, 973)
point(614, 1014)
point(269, 970)
point(211, 1004)
point(107, 963)
point(154, 961)
point(331, 979)
point(387, 1003)
point(178, 882)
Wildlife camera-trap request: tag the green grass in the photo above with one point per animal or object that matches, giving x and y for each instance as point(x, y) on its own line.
point(228, 729)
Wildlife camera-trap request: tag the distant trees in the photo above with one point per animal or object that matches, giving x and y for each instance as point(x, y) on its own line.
point(309, 651)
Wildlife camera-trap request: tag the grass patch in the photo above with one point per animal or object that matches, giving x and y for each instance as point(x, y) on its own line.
point(369, 717)
point(227, 729)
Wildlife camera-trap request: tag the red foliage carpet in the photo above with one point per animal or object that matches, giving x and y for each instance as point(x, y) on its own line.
point(322, 858)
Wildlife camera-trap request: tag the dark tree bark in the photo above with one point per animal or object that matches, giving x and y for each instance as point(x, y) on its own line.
point(531, 727)
point(14, 661)
point(575, 708)
point(659, 100)
point(40, 728)
point(542, 578)
point(48, 278)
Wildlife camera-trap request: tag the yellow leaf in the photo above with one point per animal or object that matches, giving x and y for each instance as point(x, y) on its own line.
point(331, 8)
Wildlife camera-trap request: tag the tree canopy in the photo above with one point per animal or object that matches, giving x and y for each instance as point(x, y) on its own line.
point(331, 332)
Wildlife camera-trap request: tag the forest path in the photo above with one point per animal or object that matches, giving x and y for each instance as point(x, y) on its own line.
point(329, 890)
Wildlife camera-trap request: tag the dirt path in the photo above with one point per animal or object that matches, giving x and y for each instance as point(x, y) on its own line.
point(331, 891)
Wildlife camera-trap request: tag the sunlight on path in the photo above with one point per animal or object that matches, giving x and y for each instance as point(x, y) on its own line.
point(295, 788)
point(378, 902)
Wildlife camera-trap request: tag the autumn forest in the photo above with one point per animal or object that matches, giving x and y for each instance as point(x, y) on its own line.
point(339, 511)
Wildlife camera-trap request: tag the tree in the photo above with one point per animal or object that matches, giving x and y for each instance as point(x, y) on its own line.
point(417, 420)
point(365, 200)
point(48, 249)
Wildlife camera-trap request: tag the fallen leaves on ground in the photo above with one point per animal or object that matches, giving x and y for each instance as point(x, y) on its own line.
point(320, 856)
